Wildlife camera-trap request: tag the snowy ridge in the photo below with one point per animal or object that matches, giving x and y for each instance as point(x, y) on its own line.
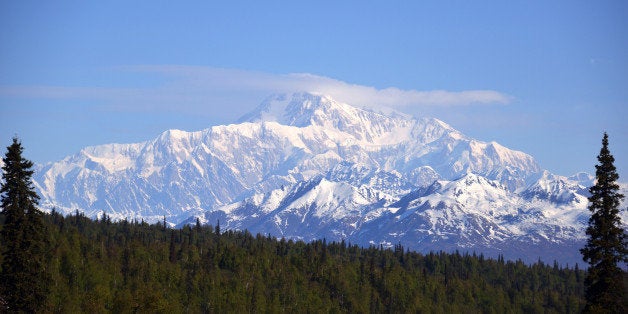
point(305, 166)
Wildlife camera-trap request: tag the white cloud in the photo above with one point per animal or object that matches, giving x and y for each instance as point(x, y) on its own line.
point(394, 97)
point(229, 79)
point(204, 89)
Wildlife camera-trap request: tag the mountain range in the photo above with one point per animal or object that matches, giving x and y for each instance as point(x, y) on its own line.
point(304, 166)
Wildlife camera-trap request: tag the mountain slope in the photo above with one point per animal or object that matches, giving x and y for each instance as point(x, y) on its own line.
point(185, 171)
point(306, 166)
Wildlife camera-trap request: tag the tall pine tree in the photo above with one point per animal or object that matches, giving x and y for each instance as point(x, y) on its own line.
point(23, 279)
point(606, 246)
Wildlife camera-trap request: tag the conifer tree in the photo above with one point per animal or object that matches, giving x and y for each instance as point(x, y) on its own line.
point(606, 244)
point(23, 277)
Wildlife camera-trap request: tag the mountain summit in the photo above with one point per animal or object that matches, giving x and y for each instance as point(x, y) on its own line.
point(305, 109)
point(305, 166)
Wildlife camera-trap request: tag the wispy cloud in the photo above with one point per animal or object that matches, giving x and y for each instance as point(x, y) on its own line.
point(192, 88)
point(212, 78)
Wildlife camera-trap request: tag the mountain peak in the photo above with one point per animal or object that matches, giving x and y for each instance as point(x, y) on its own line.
point(289, 109)
point(583, 178)
point(313, 110)
point(323, 168)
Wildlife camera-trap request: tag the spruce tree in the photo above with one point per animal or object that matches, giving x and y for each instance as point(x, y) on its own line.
point(606, 244)
point(23, 278)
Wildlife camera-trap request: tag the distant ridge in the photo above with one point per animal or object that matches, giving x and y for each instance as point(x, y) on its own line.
point(305, 166)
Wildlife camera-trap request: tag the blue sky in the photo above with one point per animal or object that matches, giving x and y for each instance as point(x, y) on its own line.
point(544, 77)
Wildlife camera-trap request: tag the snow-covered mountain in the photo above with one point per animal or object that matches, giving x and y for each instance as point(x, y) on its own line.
point(305, 166)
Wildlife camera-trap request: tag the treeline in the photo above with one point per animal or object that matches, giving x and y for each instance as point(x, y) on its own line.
point(122, 267)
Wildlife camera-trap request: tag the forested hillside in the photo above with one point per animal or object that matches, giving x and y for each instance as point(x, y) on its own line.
point(102, 266)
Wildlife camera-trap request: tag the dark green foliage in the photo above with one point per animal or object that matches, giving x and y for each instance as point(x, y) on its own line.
point(100, 266)
point(24, 284)
point(606, 246)
point(57, 264)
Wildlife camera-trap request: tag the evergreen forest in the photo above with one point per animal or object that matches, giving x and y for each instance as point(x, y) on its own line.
point(123, 267)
